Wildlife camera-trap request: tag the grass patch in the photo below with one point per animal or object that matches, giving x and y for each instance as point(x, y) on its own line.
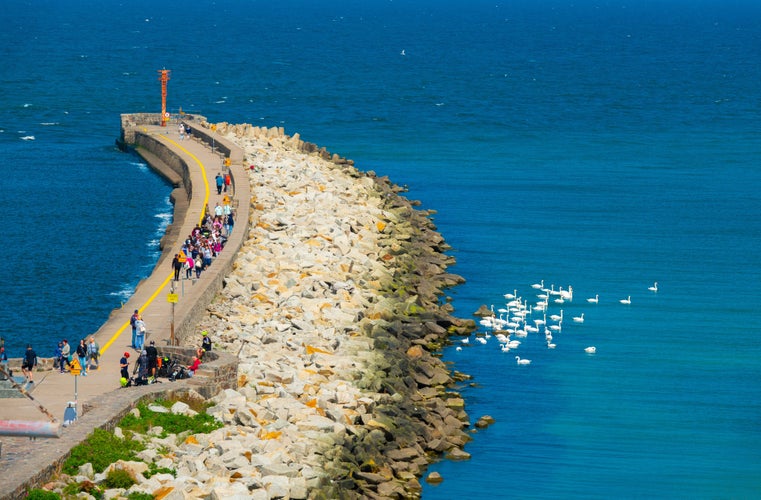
point(201, 423)
point(101, 449)
point(38, 494)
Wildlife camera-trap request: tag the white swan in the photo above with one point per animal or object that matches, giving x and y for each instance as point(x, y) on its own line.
point(590, 350)
point(627, 300)
point(557, 317)
point(458, 348)
point(520, 361)
point(550, 345)
point(505, 348)
point(481, 340)
point(653, 288)
point(465, 341)
point(594, 300)
point(539, 285)
point(579, 319)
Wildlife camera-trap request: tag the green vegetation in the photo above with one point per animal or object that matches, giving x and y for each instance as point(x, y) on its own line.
point(154, 469)
point(139, 496)
point(38, 494)
point(201, 423)
point(118, 478)
point(102, 448)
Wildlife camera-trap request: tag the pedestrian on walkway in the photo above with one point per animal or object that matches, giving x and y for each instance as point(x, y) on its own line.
point(132, 320)
point(220, 182)
point(124, 365)
point(181, 130)
point(29, 364)
point(65, 353)
point(189, 264)
point(205, 341)
point(177, 266)
point(57, 354)
point(4, 361)
point(140, 335)
point(141, 367)
point(82, 355)
point(153, 358)
point(93, 353)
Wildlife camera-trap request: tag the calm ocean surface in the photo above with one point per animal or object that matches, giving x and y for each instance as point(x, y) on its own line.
point(602, 145)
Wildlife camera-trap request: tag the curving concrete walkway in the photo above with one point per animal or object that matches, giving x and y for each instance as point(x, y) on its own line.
point(192, 166)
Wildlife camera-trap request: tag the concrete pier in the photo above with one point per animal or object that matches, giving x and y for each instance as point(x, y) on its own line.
point(189, 164)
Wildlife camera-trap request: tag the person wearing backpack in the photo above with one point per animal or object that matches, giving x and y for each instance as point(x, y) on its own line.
point(29, 363)
point(93, 354)
point(132, 320)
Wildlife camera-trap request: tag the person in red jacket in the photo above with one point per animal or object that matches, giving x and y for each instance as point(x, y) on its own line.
point(194, 365)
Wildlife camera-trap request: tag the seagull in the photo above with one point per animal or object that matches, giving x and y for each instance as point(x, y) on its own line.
point(594, 300)
point(590, 350)
point(627, 300)
point(402, 53)
point(653, 288)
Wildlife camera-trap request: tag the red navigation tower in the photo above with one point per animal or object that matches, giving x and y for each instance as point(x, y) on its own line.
point(163, 78)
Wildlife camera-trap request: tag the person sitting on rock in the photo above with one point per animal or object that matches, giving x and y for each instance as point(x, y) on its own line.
point(194, 366)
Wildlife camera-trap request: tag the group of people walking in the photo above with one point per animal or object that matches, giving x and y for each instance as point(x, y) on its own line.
point(204, 243)
point(87, 353)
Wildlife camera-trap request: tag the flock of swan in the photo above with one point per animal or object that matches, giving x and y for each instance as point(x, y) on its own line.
point(519, 318)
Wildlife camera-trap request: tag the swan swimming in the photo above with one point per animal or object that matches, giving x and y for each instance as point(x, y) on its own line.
point(627, 300)
point(465, 341)
point(520, 361)
point(579, 319)
point(594, 300)
point(590, 350)
point(653, 288)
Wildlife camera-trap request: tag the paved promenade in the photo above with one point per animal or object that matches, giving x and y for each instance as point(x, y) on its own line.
point(54, 390)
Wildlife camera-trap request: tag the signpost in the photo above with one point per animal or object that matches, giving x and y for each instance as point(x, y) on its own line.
point(70, 414)
point(173, 298)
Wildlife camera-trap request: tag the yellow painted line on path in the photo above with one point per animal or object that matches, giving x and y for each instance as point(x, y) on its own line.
point(171, 274)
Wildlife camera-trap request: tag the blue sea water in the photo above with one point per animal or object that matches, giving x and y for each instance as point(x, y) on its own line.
point(604, 145)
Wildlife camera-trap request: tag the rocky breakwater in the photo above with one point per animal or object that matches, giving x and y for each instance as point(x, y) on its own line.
point(334, 309)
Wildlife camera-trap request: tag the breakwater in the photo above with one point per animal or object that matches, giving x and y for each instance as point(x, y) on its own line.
point(334, 310)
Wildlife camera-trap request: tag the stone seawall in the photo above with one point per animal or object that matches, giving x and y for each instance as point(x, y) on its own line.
point(31, 470)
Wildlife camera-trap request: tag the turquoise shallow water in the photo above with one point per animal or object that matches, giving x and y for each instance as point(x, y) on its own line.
point(603, 146)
